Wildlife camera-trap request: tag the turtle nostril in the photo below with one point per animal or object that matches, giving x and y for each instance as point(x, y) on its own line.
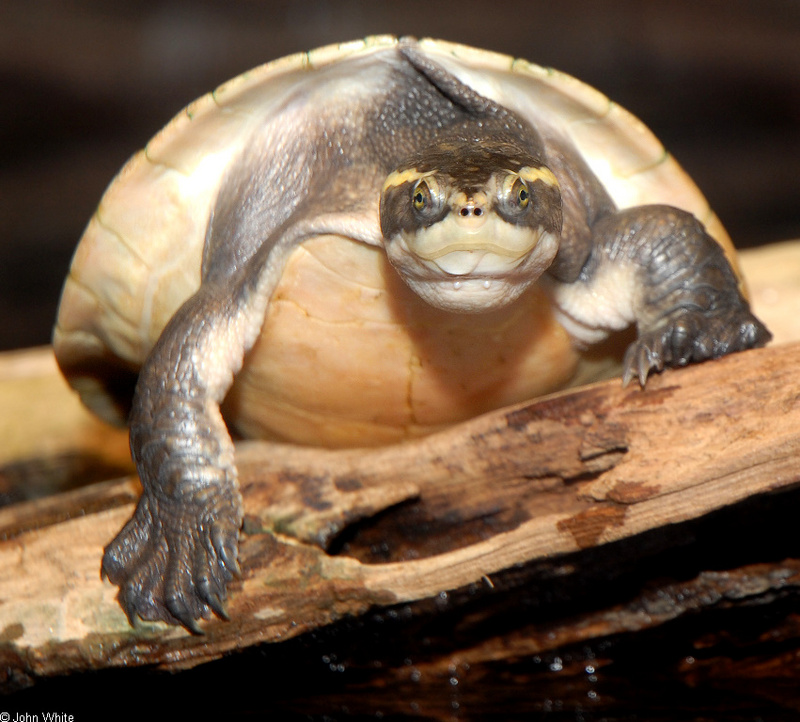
point(478, 211)
point(465, 212)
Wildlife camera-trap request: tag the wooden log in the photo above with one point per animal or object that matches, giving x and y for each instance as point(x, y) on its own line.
point(541, 491)
point(578, 470)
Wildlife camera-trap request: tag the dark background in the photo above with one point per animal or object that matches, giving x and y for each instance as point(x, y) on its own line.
point(85, 83)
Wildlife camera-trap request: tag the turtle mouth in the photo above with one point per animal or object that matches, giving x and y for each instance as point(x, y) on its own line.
point(476, 272)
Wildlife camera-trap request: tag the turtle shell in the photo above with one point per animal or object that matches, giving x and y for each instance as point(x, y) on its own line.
point(348, 354)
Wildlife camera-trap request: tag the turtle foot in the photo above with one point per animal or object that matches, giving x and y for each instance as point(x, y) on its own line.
point(174, 568)
point(692, 336)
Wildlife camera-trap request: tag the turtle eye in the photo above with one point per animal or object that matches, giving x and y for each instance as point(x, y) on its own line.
point(421, 196)
point(516, 195)
point(521, 194)
point(517, 203)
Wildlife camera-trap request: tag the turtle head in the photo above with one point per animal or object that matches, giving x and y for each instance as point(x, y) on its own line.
point(470, 226)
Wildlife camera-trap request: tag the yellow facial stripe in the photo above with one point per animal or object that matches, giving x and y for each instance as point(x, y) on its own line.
point(399, 177)
point(531, 175)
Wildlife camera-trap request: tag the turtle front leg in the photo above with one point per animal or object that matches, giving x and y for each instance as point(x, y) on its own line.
point(656, 267)
point(175, 557)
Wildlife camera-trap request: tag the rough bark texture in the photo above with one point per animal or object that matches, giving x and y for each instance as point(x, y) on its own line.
point(537, 547)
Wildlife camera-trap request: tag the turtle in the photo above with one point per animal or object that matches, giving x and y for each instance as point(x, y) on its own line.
point(364, 243)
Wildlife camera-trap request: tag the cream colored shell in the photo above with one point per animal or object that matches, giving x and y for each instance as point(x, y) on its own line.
point(348, 354)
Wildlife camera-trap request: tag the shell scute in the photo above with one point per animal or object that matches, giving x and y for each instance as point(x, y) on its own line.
point(327, 54)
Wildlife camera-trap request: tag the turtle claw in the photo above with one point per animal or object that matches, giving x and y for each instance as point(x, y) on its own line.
point(188, 622)
point(176, 572)
point(641, 359)
point(224, 539)
point(217, 604)
point(689, 337)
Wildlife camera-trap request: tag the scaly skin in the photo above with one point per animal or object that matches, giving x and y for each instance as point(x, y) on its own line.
point(175, 557)
point(684, 297)
point(691, 308)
